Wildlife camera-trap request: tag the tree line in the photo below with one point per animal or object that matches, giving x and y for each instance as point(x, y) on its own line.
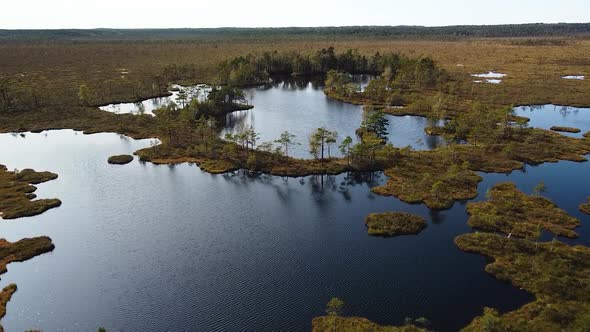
point(399, 32)
point(258, 68)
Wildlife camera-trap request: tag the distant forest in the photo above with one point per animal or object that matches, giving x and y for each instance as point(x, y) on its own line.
point(396, 32)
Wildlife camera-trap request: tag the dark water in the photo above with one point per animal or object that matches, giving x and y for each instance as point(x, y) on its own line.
point(546, 116)
point(152, 248)
point(142, 247)
point(300, 107)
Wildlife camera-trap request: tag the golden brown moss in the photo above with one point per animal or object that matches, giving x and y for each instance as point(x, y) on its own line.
point(431, 178)
point(16, 193)
point(509, 210)
point(394, 223)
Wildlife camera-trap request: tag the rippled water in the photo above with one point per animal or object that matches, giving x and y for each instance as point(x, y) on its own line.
point(142, 247)
point(151, 248)
point(546, 116)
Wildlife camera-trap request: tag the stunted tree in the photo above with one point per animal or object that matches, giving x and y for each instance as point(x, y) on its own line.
point(345, 148)
point(286, 140)
point(182, 97)
point(318, 141)
point(375, 122)
point(331, 138)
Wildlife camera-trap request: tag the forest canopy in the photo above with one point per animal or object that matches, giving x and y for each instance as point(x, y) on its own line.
point(397, 32)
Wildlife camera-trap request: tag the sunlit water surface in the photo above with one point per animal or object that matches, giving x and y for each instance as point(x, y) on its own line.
point(142, 247)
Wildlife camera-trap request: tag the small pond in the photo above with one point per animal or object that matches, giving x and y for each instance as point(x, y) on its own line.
point(547, 116)
point(299, 106)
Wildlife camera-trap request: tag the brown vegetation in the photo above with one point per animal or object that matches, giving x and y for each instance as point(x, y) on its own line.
point(510, 211)
point(394, 223)
point(356, 324)
point(16, 193)
point(23, 250)
point(5, 296)
point(565, 129)
point(428, 177)
point(120, 159)
point(556, 273)
point(585, 207)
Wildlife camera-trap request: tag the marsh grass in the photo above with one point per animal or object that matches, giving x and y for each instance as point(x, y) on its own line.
point(5, 296)
point(556, 273)
point(16, 193)
point(565, 129)
point(394, 223)
point(356, 324)
point(510, 211)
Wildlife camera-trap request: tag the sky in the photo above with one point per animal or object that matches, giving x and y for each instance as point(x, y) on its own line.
point(85, 14)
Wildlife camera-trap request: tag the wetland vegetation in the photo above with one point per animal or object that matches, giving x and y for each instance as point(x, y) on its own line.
point(121, 159)
point(17, 198)
point(510, 211)
point(394, 223)
point(428, 78)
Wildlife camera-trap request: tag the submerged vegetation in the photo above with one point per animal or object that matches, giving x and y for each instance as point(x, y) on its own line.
point(17, 193)
point(511, 211)
point(394, 223)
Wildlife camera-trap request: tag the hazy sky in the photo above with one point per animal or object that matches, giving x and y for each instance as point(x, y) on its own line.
point(30, 14)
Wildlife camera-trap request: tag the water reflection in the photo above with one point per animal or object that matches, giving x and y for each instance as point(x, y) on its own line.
point(149, 244)
point(300, 106)
point(546, 116)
